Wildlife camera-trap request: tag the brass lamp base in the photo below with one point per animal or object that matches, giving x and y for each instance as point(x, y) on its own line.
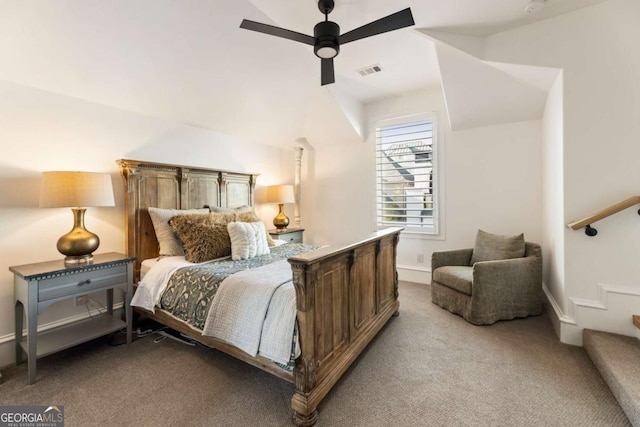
point(78, 260)
point(79, 243)
point(281, 221)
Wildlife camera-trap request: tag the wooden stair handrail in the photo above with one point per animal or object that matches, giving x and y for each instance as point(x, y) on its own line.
point(576, 225)
point(636, 320)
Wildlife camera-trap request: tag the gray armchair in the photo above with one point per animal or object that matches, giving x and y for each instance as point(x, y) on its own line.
point(487, 291)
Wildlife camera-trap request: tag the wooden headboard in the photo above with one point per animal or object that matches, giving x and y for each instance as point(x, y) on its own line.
point(168, 186)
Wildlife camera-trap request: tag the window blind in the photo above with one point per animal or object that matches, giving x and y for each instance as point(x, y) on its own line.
point(405, 175)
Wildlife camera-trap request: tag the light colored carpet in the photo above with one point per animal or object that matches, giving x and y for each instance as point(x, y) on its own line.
point(427, 367)
point(617, 358)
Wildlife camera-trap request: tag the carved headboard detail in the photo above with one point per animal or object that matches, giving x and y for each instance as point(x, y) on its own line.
point(161, 185)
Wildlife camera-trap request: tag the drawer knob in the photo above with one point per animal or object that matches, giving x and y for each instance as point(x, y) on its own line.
point(86, 282)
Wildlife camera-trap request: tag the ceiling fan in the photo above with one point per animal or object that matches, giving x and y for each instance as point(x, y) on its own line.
point(327, 39)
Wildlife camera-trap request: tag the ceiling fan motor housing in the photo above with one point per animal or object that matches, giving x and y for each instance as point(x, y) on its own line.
point(326, 34)
point(326, 6)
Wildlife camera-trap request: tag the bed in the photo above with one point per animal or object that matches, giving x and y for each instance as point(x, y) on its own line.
point(344, 295)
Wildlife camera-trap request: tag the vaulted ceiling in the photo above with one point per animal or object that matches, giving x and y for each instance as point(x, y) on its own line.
point(188, 61)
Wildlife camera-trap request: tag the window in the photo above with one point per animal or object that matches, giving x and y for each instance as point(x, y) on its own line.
point(405, 163)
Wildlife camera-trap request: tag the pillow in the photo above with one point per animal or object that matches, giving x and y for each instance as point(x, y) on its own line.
point(221, 217)
point(227, 217)
point(245, 208)
point(168, 241)
point(248, 239)
point(214, 218)
point(492, 247)
point(251, 216)
point(203, 238)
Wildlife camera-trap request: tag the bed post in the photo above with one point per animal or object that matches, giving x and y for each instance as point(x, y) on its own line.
point(305, 279)
point(396, 240)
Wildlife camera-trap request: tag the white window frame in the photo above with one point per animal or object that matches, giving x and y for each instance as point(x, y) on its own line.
point(427, 231)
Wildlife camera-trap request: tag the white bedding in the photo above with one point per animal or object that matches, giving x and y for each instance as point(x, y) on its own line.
point(146, 265)
point(255, 311)
point(154, 282)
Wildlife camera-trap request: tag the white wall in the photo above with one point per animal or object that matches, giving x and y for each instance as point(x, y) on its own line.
point(42, 131)
point(597, 49)
point(492, 180)
point(553, 196)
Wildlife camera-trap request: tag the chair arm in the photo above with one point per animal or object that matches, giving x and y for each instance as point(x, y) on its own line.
point(516, 276)
point(455, 257)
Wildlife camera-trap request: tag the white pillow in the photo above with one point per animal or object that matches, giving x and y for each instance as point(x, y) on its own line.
point(248, 239)
point(168, 241)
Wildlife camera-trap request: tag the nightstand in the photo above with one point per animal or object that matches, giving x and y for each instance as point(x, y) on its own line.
point(290, 235)
point(37, 286)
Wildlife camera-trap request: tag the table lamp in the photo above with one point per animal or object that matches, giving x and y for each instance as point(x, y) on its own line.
point(77, 190)
point(280, 194)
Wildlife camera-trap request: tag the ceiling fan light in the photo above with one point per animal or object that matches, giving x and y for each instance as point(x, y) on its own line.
point(326, 34)
point(326, 52)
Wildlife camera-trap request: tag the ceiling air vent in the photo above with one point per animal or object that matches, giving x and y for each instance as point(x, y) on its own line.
point(372, 69)
point(534, 6)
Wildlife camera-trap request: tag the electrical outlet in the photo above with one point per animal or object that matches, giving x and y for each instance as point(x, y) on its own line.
point(81, 300)
point(420, 258)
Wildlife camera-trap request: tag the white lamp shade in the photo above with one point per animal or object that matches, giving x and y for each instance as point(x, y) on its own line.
point(280, 194)
point(75, 189)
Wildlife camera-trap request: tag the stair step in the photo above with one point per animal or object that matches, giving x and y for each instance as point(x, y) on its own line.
point(617, 358)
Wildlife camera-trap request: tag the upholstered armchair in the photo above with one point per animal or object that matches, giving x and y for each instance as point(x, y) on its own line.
point(485, 291)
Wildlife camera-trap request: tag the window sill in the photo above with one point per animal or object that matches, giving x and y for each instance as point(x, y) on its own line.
point(418, 235)
point(421, 235)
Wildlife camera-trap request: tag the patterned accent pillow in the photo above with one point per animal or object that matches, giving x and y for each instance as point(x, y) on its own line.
point(248, 239)
point(204, 238)
point(169, 243)
point(492, 247)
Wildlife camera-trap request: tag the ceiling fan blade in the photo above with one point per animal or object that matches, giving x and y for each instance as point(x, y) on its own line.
point(398, 20)
point(277, 31)
point(327, 71)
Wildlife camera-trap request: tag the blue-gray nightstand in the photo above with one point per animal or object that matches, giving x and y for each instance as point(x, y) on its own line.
point(37, 286)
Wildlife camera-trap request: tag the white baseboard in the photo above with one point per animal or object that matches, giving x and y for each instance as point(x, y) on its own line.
point(7, 342)
point(612, 311)
point(410, 273)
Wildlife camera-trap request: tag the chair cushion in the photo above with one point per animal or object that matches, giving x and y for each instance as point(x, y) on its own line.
point(456, 277)
point(493, 247)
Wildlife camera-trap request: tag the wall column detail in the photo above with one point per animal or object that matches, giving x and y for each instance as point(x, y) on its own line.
point(296, 186)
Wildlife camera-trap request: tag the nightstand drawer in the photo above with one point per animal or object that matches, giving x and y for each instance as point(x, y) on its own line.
point(290, 235)
point(81, 283)
point(293, 237)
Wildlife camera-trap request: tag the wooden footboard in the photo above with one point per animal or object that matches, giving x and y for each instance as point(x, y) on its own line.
point(344, 297)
